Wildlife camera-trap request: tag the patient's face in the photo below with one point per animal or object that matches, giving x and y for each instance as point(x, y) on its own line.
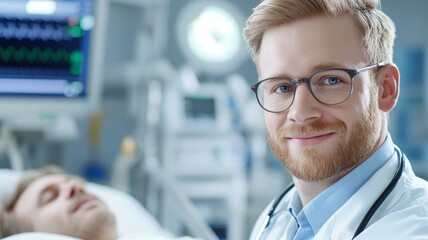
point(60, 204)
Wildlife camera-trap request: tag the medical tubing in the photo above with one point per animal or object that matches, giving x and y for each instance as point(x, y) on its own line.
point(381, 198)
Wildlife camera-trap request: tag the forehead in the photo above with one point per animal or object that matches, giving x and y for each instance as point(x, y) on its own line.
point(298, 46)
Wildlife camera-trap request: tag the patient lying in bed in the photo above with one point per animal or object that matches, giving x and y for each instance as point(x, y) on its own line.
point(49, 204)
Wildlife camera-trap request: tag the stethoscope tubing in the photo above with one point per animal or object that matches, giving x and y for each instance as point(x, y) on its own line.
point(370, 212)
point(382, 197)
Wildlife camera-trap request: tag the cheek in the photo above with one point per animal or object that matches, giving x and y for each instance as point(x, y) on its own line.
point(365, 97)
point(50, 219)
point(274, 120)
point(359, 104)
point(360, 114)
point(28, 214)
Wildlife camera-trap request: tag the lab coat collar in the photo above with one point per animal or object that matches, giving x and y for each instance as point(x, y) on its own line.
point(344, 222)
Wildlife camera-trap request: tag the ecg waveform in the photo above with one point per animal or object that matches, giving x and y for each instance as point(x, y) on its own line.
point(33, 55)
point(22, 29)
point(47, 46)
point(24, 58)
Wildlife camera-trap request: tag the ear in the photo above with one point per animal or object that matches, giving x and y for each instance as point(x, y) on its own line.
point(388, 78)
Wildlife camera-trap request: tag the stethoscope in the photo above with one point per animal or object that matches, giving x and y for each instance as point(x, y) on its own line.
point(369, 213)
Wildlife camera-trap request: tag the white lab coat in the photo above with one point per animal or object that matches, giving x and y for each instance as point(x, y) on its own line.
point(402, 216)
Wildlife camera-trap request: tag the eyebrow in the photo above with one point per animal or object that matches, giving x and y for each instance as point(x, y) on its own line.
point(322, 66)
point(314, 69)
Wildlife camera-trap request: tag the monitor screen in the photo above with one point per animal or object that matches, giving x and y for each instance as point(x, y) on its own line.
point(199, 107)
point(47, 64)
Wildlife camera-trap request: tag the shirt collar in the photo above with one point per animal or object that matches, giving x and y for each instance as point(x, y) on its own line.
point(337, 194)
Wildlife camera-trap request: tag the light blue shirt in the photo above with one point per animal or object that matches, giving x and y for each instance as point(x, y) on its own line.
point(312, 217)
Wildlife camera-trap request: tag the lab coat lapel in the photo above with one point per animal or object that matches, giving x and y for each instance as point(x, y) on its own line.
point(344, 222)
point(284, 228)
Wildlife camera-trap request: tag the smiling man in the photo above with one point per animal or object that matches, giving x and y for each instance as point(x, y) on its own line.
point(327, 83)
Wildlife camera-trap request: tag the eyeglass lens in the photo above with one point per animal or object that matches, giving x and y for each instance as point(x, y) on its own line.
point(331, 86)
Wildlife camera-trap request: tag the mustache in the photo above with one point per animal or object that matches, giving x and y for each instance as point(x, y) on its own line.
point(319, 126)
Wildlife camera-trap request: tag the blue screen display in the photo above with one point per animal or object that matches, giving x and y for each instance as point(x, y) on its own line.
point(44, 47)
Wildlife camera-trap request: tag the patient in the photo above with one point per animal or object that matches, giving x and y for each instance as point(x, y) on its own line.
point(50, 201)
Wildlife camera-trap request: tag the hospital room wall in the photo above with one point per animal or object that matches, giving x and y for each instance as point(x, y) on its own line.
point(408, 121)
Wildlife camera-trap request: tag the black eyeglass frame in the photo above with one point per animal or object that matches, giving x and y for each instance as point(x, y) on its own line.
point(351, 72)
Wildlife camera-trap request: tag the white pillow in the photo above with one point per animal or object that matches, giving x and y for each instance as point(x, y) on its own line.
point(132, 218)
point(8, 181)
point(39, 236)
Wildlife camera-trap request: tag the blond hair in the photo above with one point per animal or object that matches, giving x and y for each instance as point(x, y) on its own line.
point(376, 28)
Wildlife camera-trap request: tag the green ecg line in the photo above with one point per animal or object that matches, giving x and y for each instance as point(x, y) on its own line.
point(34, 55)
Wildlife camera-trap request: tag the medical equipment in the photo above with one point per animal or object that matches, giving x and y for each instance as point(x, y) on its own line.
point(368, 215)
point(203, 108)
point(50, 59)
point(204, 153)
point(51, 55)
point(209, 36)
point(125, 161)
point(201, 135)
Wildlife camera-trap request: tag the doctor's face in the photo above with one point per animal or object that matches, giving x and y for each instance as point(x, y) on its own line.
point(59, 204)
point(316, 141)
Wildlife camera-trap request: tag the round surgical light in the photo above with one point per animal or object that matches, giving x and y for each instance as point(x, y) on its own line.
point(209, 35)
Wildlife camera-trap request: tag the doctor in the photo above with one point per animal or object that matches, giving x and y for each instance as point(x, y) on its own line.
point(327, 83)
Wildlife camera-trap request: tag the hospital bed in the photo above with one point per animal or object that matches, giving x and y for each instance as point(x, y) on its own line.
point(132, 220)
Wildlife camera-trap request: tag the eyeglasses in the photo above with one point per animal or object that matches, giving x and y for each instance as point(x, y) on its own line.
point(329, 86)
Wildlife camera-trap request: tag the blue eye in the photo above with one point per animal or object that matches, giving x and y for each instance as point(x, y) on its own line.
point(283, 88)
point(332, 80)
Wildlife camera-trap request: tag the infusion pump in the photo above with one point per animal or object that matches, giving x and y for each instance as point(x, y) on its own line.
point(208, 109)
point(205, 154)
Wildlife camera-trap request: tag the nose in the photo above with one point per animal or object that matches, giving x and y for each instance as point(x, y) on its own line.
point(305, 107)
point(74, 188)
